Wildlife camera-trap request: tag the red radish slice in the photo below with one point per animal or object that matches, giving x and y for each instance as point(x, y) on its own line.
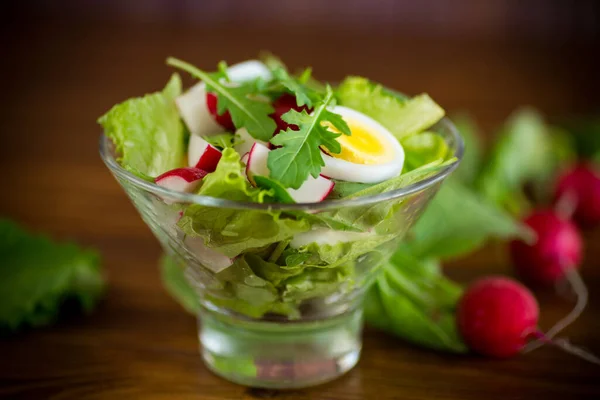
point(209, 258)
point(202, 154)
point(312, 190)
point(245, 158)
point(246, 143)
point(195, 113)
point(257, 162)
point(181, 179)
point(222, 119)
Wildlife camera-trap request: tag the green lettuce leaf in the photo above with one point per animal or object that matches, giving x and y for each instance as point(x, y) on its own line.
point(367, 217)
point(523, 153)
point(443, 231)
point(222, 140)
point(37, 276)
point(403, 117)
point(147, 132)
point(470, 164)
point(175, 282)
point(232, 231)
point(414, 301)
point(424, 148)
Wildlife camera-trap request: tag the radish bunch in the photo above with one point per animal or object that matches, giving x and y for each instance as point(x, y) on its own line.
point(498, 316)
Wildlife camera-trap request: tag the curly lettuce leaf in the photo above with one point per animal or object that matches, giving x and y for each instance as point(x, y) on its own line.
point(232, 231)
point(37, 276)
point(403, 117)
point(424, 148)
point(147, 132)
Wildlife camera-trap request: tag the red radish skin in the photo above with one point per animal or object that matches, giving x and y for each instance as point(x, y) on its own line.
point(558, 247)
point(181, 179)
point(581, 185)
point(224, 119)
point(496, 317)
point(203, 155)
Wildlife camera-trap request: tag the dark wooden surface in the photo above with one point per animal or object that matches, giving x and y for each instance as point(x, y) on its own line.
point(57, 79)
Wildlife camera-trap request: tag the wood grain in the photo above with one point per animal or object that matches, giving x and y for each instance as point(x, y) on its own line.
point(139, 344)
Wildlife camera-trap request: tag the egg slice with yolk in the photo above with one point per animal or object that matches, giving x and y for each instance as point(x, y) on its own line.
point(371, 154)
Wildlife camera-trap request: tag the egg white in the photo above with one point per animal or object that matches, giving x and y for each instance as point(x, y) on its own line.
point(344, 170)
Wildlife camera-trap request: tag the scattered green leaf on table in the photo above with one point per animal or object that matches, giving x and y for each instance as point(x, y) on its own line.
point(37, 276)
point(470, 164)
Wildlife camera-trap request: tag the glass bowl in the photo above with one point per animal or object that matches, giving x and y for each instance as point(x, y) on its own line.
point(286, 313)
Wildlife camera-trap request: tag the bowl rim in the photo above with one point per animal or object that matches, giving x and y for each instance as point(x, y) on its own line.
point(190, 198)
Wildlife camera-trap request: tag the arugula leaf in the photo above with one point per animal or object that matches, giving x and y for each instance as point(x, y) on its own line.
point(246, 109)
point(147, 131)
point(299, 155)
point(403, 117)
point(38, 275)
point(443, 232)
point(304, 95)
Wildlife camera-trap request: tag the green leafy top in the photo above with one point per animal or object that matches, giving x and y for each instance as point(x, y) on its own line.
point(147, 131)
point(246, 108)
point(37, 276)
point(300, 154)
point(297, 86)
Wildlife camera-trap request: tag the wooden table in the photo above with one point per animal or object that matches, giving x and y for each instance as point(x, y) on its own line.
point(139, 343)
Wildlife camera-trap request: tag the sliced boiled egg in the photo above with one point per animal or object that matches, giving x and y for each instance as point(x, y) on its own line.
point(370, 155)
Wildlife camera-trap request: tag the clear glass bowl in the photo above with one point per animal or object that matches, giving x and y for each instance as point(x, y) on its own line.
point(264, 322)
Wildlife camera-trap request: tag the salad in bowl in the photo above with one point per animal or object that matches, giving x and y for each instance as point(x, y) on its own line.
point(280, 196)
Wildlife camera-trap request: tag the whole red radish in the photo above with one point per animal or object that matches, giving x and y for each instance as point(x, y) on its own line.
point(558, 247)
point(223, 119)
point(581, 185)
point(497, 316)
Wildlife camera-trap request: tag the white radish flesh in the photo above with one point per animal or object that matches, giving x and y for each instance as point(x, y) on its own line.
point(202, 154)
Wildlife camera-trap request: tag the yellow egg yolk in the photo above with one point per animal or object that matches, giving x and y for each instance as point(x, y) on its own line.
point(362, 147)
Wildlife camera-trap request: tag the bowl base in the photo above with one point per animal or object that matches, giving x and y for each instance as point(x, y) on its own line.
point(280, 355)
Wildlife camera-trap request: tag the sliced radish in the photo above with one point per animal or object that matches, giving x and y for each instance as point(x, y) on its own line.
point(246, 143)
point(312, 190)
point(324, 236)
point(257, 161)
point(181, 179)
point(194, 111)
point(222, 119)
point(195, 105)
point(245, 158)
point(248, 70)
point(202, 154)
point(209, 258)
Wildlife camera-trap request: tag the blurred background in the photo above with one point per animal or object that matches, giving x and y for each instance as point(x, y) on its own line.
point(64, 63)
